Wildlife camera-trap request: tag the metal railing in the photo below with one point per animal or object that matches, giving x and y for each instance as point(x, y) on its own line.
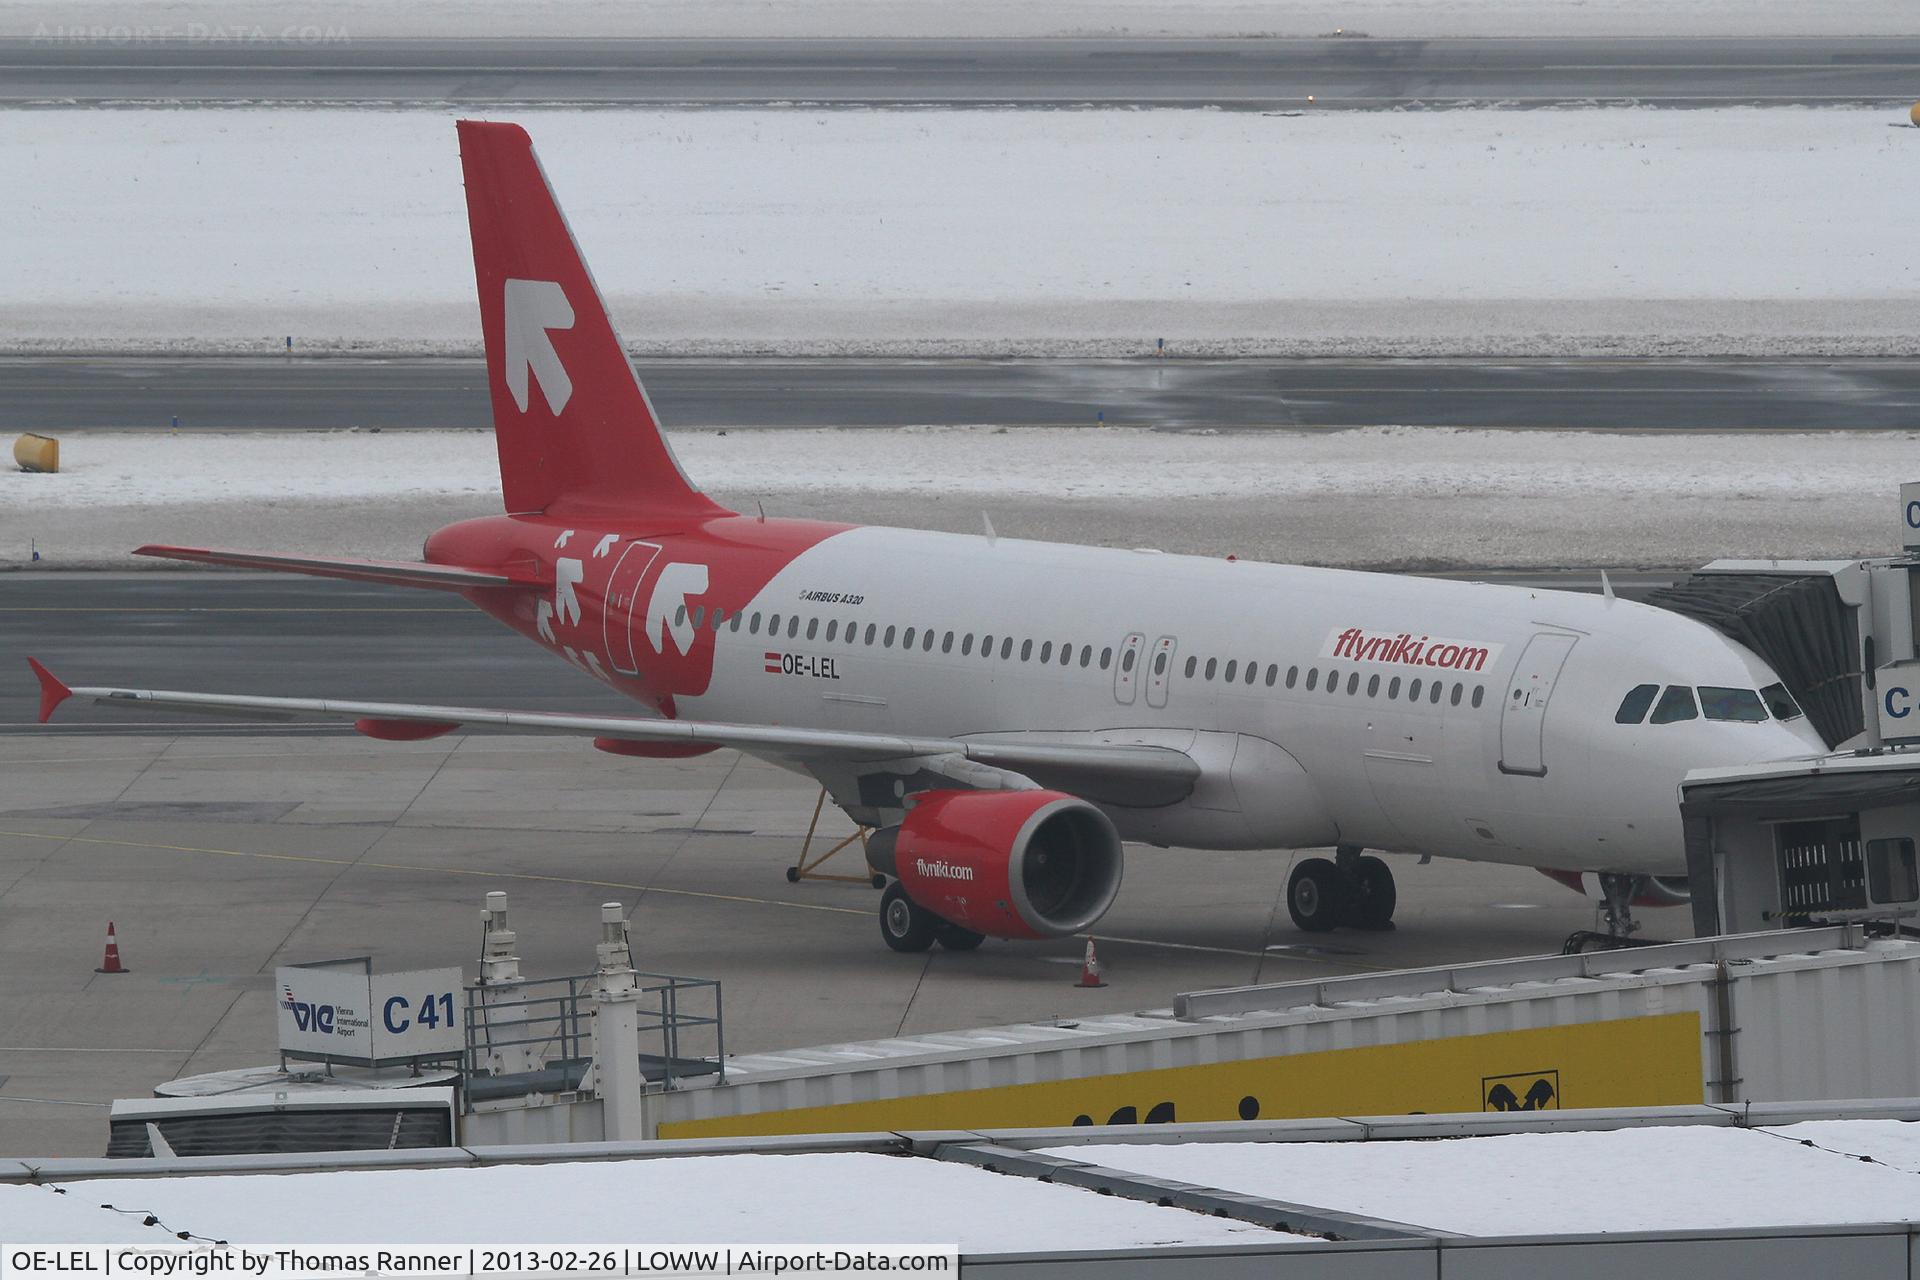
point(548, 1023)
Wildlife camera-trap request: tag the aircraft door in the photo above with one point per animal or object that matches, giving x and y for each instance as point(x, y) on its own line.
point(1126, 669)
point(1160, 671)
point(1523, 714)
point(623, 594)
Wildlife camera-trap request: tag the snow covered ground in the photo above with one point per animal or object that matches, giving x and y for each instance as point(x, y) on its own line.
point(1680, 1178)
point(235, 20)
point(1471, 232)
point(827, 1199)
point(1406, 497)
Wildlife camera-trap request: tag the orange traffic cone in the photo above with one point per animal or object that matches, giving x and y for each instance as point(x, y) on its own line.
point(1090, 969)
point(111, 962)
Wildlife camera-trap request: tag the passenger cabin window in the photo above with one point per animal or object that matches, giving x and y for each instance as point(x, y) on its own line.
point(813, 628)
point(1675, 704)
point(1253, 669)
point(754, 627)
point(1233, 669)
point(733, 623)
point(1293, 674)
point(833, 627)
point(1373, 686)
point(1192, 663)
point(1159, 664)
point(1479, 694)
point(1313, 678)
point(1273, 673)
point(1633, 707)
point(1006, 647)
point(1718, 703)
point(886, 641)
point(699, 616)
point(1106, 659)
point(1780, 702)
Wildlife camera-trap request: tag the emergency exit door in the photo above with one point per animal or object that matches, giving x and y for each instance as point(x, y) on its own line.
point(1523, 712)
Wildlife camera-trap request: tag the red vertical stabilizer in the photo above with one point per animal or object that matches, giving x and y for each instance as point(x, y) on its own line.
point(575, 431)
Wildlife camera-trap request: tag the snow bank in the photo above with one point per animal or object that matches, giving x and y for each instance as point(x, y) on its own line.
point(1677, 1178)
point(1395, 497)
point(826, 1199)
point(983, 463)
point(373, 19)
point(1753, 231)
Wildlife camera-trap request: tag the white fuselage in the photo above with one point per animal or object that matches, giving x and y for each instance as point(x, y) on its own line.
point(1519, 759)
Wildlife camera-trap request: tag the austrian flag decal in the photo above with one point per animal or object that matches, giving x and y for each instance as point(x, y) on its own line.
point(773, 664)
point(1409, 649)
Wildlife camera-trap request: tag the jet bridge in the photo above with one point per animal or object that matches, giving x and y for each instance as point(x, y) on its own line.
point(1841, 633)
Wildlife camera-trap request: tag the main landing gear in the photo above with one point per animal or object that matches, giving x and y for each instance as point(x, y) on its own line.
point(908, 926)
point(1351, 888)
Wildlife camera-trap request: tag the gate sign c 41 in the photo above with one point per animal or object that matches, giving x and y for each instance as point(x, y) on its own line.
point(339, 1010)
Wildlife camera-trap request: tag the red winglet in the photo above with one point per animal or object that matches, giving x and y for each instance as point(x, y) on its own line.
point(52, 692)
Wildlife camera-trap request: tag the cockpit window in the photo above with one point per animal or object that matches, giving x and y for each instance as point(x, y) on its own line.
point(1780, 702)
point(1633, 707)
point(1731, 704)
point(1675, 704)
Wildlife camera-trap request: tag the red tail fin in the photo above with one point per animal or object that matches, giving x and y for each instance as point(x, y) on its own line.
point(573, 425)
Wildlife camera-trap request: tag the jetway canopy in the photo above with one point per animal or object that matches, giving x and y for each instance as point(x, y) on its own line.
point(1798, 623)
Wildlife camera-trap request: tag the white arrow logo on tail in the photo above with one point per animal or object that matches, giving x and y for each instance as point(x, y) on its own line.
point(533, 307)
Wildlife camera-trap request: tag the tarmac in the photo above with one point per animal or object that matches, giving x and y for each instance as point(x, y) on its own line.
point(55, 393)
point(219, 857)
point(1353, 72)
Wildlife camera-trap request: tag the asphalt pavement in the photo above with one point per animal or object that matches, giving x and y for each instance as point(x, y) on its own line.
point(1248, 74)
point(63, 393)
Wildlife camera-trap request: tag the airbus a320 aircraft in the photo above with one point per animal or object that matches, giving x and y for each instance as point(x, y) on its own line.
point(1006, 713)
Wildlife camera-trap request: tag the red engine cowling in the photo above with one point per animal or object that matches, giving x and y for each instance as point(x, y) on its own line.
point(1649, 891)
point(1009, 864)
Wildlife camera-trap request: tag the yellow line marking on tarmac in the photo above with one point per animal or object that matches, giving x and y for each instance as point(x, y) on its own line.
point(450, 871)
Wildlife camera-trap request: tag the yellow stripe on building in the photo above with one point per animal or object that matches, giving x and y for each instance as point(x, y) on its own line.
point(1630, 1062)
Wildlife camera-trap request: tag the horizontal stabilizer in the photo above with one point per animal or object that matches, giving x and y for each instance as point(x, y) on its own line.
point(398, 573)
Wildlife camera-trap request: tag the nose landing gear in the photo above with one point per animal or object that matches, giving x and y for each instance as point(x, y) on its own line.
point(1617, 892)
point(1351, 889)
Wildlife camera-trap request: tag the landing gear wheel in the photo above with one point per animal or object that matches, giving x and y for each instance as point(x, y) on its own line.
point(1373, 895)
point(1316, 895)
point(905, 924)
point(955, 938)
point(793, 875)
point(878, 881)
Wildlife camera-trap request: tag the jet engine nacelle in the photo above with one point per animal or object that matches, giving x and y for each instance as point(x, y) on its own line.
point(1009, 864)
point(1649, 891)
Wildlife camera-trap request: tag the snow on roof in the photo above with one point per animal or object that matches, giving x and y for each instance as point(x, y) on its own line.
point(826, 1198)
point(1679, 1177)
point(74, 1215)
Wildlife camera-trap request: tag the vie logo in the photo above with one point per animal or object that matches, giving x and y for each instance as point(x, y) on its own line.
point(309, 1017)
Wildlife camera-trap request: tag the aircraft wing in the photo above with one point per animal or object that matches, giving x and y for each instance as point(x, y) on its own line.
point(398, 573)
point(1145, 775)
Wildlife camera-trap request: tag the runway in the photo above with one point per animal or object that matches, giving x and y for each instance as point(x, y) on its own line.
point(64, 393)
point(308, 637)
point(1263, 74)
